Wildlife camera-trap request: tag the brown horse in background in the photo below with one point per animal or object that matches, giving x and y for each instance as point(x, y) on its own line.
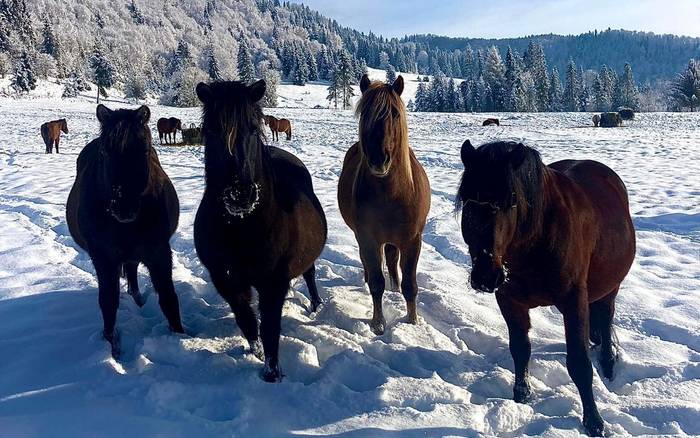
point(558, 235)
point(491, 122)
point(384, 195)
point(277, 126)
point(51, 133)
point(596, 120)
point(168, 127)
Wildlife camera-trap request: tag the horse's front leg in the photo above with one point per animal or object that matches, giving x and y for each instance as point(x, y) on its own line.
point(310, 279)
point(107, 270)
point(576, 320)
point(370, 253)
point(271, 296)
point(57, 141)
point(160, 266)
point(517, 318)
point(239, 296)
point(131, 272)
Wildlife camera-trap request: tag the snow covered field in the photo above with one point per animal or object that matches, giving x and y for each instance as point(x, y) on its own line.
point(449, 375)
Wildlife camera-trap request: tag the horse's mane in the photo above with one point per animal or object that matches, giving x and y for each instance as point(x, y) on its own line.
point(243, 119)
point(114, 131)
point(378, 103)
point(524, 176)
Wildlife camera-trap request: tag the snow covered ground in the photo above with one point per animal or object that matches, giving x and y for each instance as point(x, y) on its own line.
point(449, 375)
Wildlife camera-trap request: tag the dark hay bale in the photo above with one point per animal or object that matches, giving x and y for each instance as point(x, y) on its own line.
point(626, 113)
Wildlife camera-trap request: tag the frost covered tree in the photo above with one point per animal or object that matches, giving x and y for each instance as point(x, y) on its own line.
point(325, 64)
point(246, 70)
point(685, 89)
point(556, 93)
point(4, 64)
point(572, 90)
point(494, 76)
point(536, 63)
point(421, 103)
point(135, 87)
point(49, 44)
point(311, 65)
point(333, 89)
point(136, 15)
point(627, 93)
point(23, 75)
point(213, 64)
point(512, 74)
point(272, 80)
point(390, 74)
point(346, 79)
point(102, 71)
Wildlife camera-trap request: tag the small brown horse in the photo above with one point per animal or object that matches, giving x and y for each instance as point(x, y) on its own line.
point(259, 223)
point(384, 195)
point(51, 133)
point(122, 210)
point(277, 126)
point(167, 128)
point(558, 235)
point(491, 122)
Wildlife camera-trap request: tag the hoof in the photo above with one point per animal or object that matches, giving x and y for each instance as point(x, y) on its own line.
point(256, 350)
point(594, 425)
point(522, 393)
point(315, 304)
point(607, 366)
point(271, 374)
point(113, 339)
point(377, 327)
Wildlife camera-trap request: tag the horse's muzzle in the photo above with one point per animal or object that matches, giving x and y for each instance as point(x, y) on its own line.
point(124, 215)
point(487, 280)
point(241, 200)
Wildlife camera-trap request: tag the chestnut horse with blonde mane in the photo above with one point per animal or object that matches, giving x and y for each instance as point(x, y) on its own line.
point(278, 125)
point(51, 133)
point(384, 195)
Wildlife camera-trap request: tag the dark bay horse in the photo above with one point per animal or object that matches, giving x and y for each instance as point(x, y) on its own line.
point(51, 133)
point(167, 128)
point(491, 122)
point(558, 235)
point(279, 125)
point(384, 195)
point(122, 209)
point(259, 223)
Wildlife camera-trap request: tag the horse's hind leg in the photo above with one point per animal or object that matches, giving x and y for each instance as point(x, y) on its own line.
point(370, 253)
point(517, 319)
point(601, 316)
point(271, 296)
point(409, 285)
point(160, 266)
point(131, 272)
point(108, 285)
point(310, 278)
point(57, 141)
point(391, 255)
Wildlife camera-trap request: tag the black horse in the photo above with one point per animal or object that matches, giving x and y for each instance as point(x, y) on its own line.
point(259, 223)
point(122, 210)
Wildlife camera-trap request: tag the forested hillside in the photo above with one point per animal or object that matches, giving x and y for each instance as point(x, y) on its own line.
point(164, 47)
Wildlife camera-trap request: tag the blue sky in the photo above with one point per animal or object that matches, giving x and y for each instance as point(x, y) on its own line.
point(509, 18)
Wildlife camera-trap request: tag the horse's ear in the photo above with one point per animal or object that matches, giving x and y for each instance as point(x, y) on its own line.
point(467, 152)
point(257, 90)
point(103, 113)
point(203, 92)
point(143, 114)
point(397, 86)
point(364, 83)
point(517, 155)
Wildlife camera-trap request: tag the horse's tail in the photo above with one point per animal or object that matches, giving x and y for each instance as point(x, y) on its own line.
point(45, 135)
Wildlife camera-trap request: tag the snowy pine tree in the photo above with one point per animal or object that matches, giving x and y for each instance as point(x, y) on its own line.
point(421, 103)
point(494, 76)
point(272, 80)
point(572, 90)
point(102, 70)
point(390, 74)
point(556, 93)
point(49, 44)
point(685, 89)
point(136, 15)
point(627, 95)
point(334, 89)
point(213, 65)
point(346, 79)
point(246, 71)
point(23, 76)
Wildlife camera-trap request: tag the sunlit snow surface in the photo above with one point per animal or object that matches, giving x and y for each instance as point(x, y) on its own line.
point(449, 375)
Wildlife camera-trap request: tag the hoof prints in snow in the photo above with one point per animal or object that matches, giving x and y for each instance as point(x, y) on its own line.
point(449, 375)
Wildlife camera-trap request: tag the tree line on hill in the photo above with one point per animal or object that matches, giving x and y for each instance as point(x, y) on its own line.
point(164, 47)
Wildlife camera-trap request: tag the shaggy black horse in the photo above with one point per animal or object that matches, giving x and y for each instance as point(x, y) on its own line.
point(259, 223)
point(122, 210)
